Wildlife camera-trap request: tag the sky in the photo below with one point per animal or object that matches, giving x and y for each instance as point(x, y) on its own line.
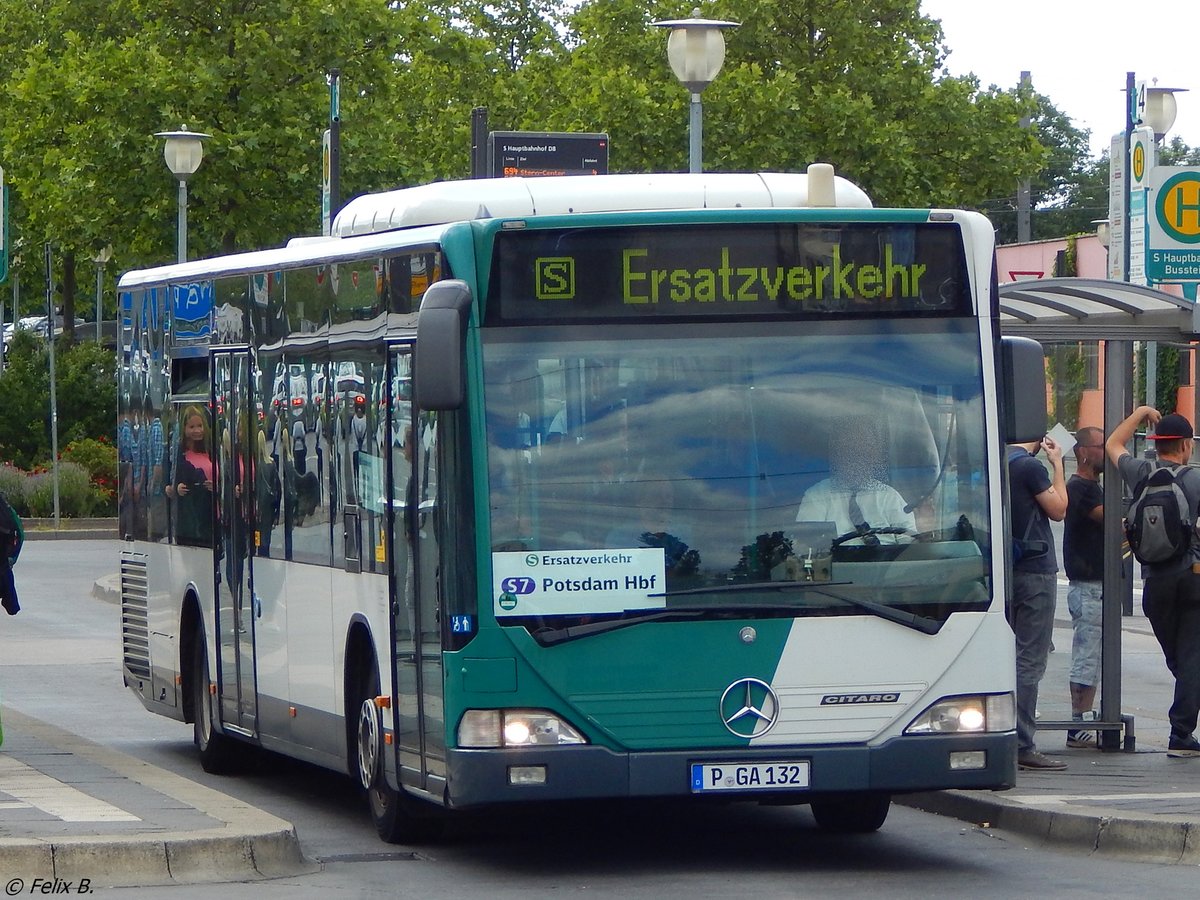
point(1077, 53)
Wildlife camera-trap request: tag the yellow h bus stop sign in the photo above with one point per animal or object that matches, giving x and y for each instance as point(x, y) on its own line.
point(1173, 252)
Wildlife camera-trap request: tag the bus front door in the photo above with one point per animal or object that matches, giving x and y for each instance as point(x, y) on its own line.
point(421, 744)
point(234, 440)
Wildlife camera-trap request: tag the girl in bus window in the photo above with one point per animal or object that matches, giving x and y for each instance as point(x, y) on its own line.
point(192, 484)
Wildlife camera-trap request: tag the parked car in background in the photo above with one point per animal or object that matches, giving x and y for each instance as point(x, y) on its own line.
point(36, 324)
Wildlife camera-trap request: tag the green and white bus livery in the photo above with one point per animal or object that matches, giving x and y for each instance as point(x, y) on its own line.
point(585, 487)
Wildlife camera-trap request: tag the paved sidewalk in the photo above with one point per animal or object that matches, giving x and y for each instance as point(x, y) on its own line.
point(1138, 804)
point(75, 811)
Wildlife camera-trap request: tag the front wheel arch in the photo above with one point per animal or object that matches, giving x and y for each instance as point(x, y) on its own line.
point(398, 817)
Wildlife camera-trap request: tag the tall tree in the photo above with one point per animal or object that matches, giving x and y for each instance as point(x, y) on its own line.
point(86, 84)
point(853, 83)
point(94, 82)
point(1053, 188)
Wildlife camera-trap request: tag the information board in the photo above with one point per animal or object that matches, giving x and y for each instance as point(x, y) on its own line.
point(531, 154)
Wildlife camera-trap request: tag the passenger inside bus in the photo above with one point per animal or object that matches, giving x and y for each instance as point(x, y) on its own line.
point(192, 480)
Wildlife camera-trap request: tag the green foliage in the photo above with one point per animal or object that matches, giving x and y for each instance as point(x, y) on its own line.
point(1167, 377)
point(24, 397)
point(85, 388)
point(1067, 370)
point(12, 486)
point(76, 497)
point(86, 376)
point(87, 84)
point(99, 459)
point(1054, 187)
point(1176, 153)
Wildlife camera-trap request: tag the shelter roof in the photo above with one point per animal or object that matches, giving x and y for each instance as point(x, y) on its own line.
point(1080, 309)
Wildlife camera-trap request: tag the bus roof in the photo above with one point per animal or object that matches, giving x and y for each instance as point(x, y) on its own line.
point(455, 201)
point(298, 252)
point(368, 223)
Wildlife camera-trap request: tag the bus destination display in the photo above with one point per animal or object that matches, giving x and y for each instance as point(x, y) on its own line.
point(705, 271)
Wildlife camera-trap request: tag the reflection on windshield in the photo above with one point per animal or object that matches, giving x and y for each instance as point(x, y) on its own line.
point(854, 459)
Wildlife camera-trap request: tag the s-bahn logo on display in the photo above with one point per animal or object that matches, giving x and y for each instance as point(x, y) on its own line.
point(554, 278)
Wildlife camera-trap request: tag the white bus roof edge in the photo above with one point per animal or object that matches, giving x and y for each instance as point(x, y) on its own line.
point(452, 201)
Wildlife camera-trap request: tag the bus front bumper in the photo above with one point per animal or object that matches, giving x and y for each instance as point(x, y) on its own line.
point(900, 765)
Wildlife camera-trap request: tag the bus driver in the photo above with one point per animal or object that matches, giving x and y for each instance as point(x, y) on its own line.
point(853, 497)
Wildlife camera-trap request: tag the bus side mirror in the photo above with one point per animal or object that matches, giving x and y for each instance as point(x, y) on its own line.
point(1022, 390)
point(438, 370)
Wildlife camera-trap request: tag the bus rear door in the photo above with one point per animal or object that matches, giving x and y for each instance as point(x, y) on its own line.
point(235, 428)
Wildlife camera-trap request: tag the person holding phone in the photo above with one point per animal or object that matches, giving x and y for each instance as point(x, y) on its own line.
point(192, 484)
point(1037, 497)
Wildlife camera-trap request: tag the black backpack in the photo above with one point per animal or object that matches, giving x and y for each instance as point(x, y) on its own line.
point(12, 535)
point(1159, 524)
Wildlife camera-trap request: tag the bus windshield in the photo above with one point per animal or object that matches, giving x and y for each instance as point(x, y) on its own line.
point(796, 468)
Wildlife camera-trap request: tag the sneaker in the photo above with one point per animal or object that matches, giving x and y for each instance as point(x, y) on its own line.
point(1182, 748)
point(1084, 740)
point(1032, 760)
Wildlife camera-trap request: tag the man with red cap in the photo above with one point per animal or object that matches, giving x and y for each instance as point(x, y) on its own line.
point(1171, 590)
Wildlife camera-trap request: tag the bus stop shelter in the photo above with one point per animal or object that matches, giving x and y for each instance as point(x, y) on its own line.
point(1058, 310)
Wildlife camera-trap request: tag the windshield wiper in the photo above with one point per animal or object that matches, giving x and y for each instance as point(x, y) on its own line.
point(740, 586)
point(638, 616)
point(550, 636)
point(923, 624)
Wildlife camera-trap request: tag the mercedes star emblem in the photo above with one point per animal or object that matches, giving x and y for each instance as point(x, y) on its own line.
point(749, 708)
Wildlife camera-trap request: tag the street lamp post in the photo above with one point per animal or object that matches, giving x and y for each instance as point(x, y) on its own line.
point(183, 150)
point(1157, 111)
point(696, 51)
point(1160, 110)
point(101, 260)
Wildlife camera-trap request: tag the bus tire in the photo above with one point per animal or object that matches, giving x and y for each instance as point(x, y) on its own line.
point(218, 753)
point(852, 813)
point(398, 817)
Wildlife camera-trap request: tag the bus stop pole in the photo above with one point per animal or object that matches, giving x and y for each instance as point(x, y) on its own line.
point(1118, 392)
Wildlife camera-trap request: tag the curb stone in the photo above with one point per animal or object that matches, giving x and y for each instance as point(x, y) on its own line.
point(249, 844)
point(1112, 833)
point(70, 529)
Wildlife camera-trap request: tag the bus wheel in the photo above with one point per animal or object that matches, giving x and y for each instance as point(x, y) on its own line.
point(852, 813)
point(394, 813)
point(217, 752)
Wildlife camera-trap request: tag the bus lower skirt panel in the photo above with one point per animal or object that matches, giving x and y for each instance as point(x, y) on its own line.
point(901, 765)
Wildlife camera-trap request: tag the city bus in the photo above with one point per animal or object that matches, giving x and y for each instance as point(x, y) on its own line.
point(527, 490)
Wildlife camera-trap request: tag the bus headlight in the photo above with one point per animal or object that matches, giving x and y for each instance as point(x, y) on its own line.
point(515, 728)
point(966, 715)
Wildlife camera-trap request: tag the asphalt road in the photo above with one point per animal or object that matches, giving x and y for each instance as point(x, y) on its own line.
point(59, 662)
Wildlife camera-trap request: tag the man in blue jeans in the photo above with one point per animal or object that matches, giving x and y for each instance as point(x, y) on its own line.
point(1171, 590)
point(1083, 558)
point(1036, 498)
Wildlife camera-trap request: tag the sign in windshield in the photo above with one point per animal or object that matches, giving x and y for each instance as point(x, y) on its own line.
point(788, 270)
